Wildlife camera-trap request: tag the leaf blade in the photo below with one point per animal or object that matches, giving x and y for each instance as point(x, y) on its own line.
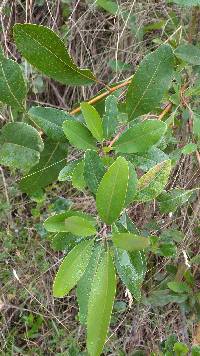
point(50, 120)
point(21, 145)
point(130, 242)
point(85, 283)
point(46, 51)
point(100, 305)
point(140, 137)
point(78, 135)
point(151, 80)
point(12, 84)
point(151, 184)
point(72, 268)
point(93, 170)
point(131, 269)
point(79, 226)
point(52, 160)
point(93, 121)
point(111, 194)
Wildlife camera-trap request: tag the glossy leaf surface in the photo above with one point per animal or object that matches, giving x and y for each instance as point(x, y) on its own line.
point(21, 145)
point(151, 184)
point(111, 193)
point(132, 185)
point(131, 269)
point(78, 180)
point(93, 170)
point(56, 223)
point(72, 268)
point(110, 116)
point(79, 226)
point(151, 80)
point(130, 242)
point(50, 120)
point(52, 160)
point(12, 84)
point(46, 51)
point(84, 285)
point(140, 137)
point(188, 53)
point(93, 121)
point(79, 135)
point(100, 305)
point(172, 200)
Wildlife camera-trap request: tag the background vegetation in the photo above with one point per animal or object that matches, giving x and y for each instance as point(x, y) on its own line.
point(110, 37)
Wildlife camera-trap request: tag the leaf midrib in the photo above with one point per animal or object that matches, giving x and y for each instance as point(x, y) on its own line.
point(9, 88)
point(147, 88)
point(138, 137)
point(58, 58)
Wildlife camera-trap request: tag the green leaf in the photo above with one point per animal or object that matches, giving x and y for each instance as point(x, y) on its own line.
point(93, 170)
point(108, 5)
point(19, 157)
point(56, 223)
point(67, 172)
point(12, 84)
point(132, 185)
point(163, 297)
point(72, 268)
point(179, 287)
point(196, 350)
point(79, 226)
point(181, 349)
point(189, 148)
point(111, 194)
point(50, 120)
point(85, 283)
point(110, 116)
point(78, 135)
point(78, 180)
point(167, 249)
point(93, 121)
point(22, 134)
point(21, 145)
point(129, 225)
point(196, 125)
point(64, 241)
point(149, 159)
point(131, 269)
point(100, 305)
point(140, 137)
point(188, 53)
point(151, 184)
point(46, 51)
point(151, 80)
point(1, 53)
point(130, 242)
point(186, 2)
point(195, 260)
point(52, 160)
point(172, 200)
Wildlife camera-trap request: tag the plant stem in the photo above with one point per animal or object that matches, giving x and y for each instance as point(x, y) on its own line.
point(102, 95)
point(165, 111)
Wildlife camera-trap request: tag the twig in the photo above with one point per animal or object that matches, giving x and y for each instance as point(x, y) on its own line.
point(116, 137)
point(102, 95)
point(165, 111)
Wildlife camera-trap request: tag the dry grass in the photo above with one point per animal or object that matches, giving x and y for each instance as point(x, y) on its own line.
point(94, 38)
